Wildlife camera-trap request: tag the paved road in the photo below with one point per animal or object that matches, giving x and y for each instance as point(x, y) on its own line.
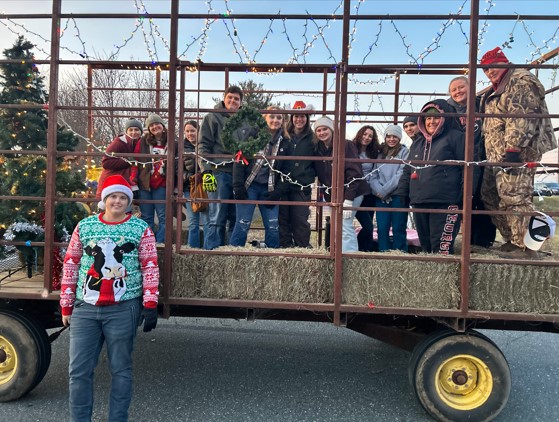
point(226, 370)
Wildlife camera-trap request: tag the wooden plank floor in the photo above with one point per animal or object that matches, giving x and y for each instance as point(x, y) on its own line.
point(18, 282)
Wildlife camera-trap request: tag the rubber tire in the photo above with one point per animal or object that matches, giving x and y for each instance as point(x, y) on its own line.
point(432, 338)
point(41, 339)
point(457, 344)
point(25, 346)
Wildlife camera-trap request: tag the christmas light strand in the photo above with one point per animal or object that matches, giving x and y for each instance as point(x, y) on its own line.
point(375, 42)
point(485, 25)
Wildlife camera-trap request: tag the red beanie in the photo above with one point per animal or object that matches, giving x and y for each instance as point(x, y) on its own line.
point(494, 56)
point(115, 183)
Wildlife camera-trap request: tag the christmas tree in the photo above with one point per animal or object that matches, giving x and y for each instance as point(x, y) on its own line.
point(25, 129)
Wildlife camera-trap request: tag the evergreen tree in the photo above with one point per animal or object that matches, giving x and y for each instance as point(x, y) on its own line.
point(24, 129)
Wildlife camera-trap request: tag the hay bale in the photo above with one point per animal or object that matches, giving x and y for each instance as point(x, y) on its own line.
point(266, 278)
point(514, 288)
point(395, 283)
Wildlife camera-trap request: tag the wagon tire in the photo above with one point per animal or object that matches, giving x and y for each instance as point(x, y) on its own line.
point(41, 339)
point(19, 359)
point(462, 377)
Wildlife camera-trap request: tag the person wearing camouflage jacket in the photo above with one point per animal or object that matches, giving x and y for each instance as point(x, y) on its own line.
point(519, 139)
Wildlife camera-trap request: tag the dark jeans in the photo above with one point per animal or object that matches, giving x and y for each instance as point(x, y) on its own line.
point(294, 226)
point(437, 232)
point(365, 218)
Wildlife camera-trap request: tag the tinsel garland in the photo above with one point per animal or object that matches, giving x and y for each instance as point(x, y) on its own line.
point(252, 145)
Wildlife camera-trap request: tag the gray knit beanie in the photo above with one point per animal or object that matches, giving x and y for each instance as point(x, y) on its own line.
point(133, 123)
point(154, 118)
point(393, 130)
point(324, 121)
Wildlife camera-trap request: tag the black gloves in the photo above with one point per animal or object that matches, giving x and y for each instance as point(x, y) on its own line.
point(512, 156)
point(274, 195)
point(149, 318)
point(240, 193)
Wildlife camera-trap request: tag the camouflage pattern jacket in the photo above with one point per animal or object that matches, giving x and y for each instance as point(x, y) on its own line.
point(519, 92)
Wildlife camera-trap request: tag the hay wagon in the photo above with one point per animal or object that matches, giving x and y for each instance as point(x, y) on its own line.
point(428, 305)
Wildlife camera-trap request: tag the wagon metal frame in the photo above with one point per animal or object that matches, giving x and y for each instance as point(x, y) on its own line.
point(389, 324)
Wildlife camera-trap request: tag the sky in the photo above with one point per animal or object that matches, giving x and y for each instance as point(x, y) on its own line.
point(278, 42)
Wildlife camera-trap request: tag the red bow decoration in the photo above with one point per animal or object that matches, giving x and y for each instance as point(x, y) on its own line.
point(240, 157)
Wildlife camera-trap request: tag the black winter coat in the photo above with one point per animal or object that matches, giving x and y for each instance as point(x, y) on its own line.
point(302, 171)
point(435, 184)
point(352, 170)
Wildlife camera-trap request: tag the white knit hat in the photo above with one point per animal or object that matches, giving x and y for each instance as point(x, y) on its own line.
point(115, 183)
point(393, 130)
point(324, 121)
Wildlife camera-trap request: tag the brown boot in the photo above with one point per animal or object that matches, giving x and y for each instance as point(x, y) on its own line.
point(509, 247)
point(520, 253)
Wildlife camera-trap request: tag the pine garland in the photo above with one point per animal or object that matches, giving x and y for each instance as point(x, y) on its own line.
point(252, 145)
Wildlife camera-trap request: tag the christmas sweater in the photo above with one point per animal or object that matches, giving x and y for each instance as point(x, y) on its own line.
point(107, 263)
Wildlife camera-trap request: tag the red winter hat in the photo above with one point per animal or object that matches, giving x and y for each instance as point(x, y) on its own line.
point(115, 183)
point(494, 56)
point(300, 105)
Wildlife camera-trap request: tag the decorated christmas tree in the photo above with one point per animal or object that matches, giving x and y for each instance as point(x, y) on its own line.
point(25, 129)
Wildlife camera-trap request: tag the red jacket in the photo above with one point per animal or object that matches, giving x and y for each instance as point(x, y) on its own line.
point(122, 144)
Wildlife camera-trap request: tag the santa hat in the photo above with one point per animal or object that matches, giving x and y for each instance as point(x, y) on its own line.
point(300, 105)
point(494, 56)
point(113, 184)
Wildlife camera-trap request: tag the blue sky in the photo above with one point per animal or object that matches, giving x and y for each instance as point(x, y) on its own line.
point(373, 42)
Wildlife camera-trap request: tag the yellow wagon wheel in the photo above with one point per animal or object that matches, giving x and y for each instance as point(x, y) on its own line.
point(19, 358)
point(460, 377)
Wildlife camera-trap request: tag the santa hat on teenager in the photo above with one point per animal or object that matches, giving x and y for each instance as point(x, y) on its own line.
point(113, 184)
point(300, 105)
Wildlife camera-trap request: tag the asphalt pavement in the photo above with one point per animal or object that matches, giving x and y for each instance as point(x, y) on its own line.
point(226, 370)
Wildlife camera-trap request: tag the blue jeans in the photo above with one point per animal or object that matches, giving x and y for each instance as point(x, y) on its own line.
point(349, 237)
point(219, 213)
point(149, 210)
point(245, 212)
point(399, 223)
point(194, 219)
point(91, 326)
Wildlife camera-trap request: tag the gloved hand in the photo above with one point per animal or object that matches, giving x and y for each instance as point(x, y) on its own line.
point(209, 184)
point(149, 318)
point(240, 193)
point(405, 201)
point(274, 195)
point(512, 156)
point(348, 213)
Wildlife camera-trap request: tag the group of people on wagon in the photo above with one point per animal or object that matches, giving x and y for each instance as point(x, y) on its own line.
point(297, 153)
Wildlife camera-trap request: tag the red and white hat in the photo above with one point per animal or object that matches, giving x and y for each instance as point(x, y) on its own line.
point(300, 105)
point(115, 183)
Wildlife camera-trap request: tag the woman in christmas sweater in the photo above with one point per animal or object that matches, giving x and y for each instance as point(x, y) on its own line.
point(110, 282)
point(122, 144)
point(435, 186)
point(256, 182)
point(148, 177)
point(355, 187)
